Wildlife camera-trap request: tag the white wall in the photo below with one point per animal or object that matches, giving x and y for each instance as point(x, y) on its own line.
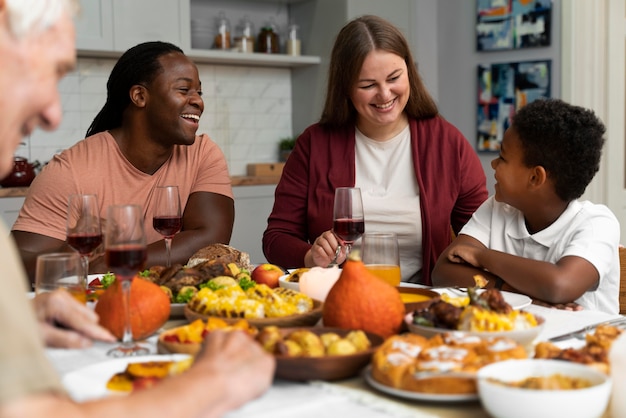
point(247, 111)
point(458, 61)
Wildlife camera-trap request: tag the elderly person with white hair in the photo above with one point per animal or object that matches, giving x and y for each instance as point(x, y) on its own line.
point(37, 48)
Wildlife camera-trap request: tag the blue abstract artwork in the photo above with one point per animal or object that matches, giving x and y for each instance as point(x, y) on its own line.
point(512, 24)
point(503, 89)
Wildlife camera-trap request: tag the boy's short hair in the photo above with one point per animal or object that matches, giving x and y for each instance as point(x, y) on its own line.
point(565, 139)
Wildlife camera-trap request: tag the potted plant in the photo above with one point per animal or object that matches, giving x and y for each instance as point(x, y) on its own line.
point(285, 147)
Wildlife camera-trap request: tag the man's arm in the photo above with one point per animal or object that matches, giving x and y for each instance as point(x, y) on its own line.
point(30, 245)
point(207, 219)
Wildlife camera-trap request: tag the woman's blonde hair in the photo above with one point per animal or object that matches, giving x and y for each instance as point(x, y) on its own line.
point(28, 16)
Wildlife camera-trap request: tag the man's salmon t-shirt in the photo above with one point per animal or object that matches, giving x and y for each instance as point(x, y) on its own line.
point(96, 165)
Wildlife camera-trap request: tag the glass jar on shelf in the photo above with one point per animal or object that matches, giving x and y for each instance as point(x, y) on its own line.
point(268, 40)
point(222, 39)
point(244, 41)
point(293, 40)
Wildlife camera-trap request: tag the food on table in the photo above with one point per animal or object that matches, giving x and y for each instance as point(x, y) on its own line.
point(360, 300)
point(149, 308)
point(143, 375)
point(259, 301)
point(220, 253)
point(188, 338)
point(444, 364)
point(487, 311)
point(594, 353)
point(295, 275)
point(555, 381)
point(267, 274)
point(305, 343)
point(182, 283)
point(97, 286)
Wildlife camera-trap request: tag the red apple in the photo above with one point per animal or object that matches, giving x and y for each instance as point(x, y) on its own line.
point(267, 274)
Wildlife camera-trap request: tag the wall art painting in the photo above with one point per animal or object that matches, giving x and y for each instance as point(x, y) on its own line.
point(512, 24)
point(502, 89)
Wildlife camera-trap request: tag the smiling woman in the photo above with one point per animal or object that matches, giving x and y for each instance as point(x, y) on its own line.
point(378, 125)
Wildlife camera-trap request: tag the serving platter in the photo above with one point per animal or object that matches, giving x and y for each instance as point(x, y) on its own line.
point(524, 337)
point(299, 320)
point(416, 396)
point(516, 300)
point(90, 382)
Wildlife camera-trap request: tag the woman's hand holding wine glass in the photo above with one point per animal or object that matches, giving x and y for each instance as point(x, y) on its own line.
point(167, 219)
point(348, 218)
point(84, 233)
point(125, 254)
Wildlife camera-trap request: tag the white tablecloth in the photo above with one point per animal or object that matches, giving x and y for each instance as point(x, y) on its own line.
point(351, 398)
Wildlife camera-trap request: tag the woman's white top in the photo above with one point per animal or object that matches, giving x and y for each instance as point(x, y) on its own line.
point(391, 202)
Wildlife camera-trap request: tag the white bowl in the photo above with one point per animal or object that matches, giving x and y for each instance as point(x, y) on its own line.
point(283, 282)
point(502, 401)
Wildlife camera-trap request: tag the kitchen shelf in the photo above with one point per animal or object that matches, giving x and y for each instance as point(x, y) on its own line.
point(225, 57)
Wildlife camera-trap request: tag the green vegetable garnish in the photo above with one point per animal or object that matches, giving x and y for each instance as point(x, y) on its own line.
point(107, 279)
point(211, 285)
point(246, 283)
point(145, 273)
point(184, 296)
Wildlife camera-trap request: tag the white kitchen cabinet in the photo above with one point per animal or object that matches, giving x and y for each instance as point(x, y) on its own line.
point(9, 209)
point(139, 21)
point(109, 27)
point(94, 26)
point(253, 205)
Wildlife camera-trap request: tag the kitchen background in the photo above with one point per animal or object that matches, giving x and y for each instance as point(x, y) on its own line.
point(248, 109)
point(252, 101)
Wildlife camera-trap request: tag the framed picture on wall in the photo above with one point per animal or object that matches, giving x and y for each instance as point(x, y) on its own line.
point(502, 89)
point(512, 24)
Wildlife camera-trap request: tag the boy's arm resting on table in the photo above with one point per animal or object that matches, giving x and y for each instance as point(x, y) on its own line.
point(230, 371)
point(460, 273)
point(552, 284)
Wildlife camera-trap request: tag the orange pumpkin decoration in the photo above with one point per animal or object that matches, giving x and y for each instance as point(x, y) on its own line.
point(360, 300)
point(149, 308)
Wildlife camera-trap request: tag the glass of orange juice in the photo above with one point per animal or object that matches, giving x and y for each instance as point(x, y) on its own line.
point(381, 256)
point(60, 270)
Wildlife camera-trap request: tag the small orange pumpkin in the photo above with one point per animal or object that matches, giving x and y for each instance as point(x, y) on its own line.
point(360, 300)
point(149, 308)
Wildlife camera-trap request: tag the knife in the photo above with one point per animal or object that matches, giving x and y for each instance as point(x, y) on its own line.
point(581, 332)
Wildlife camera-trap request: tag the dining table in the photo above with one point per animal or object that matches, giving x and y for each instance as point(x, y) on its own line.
point(352, 397)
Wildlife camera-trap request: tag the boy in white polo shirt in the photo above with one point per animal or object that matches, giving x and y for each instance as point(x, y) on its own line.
point(534, 235)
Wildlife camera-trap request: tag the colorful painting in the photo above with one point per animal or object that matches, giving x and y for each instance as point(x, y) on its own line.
point(502, 89)
point(512, 24)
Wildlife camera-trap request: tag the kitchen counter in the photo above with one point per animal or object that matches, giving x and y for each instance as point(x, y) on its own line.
point(236, 181)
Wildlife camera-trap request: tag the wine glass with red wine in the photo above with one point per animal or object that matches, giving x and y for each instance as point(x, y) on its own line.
point(167, 219)
point(348, 219)
point(125, 255)
point(83, 230)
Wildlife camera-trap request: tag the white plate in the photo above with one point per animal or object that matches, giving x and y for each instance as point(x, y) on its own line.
point(516, 300)
point(90, 382)
point(416, 396)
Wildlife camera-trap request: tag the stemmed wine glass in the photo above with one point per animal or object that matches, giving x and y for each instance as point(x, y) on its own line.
point(167, 219)
point(83, 230)
point(125, 255)
point(348, 219)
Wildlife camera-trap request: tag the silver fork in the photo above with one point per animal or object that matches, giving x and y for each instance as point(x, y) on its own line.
point(581, 333)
